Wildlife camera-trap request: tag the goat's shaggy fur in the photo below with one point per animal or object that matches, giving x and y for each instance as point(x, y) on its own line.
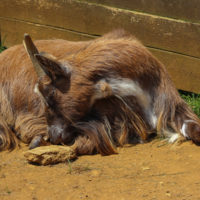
point(94, 96)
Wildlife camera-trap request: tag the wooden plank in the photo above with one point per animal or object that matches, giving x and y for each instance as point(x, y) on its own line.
point(163, 33)
point(14, 31)
point(184, 70)
point(177, 9)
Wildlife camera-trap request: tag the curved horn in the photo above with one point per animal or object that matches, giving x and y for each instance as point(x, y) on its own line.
point(31, 50)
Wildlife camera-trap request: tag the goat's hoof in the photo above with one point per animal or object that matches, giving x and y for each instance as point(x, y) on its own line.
point(38, 141)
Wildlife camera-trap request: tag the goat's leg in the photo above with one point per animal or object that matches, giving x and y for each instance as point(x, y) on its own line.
point(91, 137)
point(31, 130)
point(38, 141)
point(84, 146)
point(8, 139)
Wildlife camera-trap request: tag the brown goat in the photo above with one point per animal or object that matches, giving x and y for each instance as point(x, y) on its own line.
point(92, 95)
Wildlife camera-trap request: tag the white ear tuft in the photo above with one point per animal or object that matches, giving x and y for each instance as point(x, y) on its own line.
point(37, 90)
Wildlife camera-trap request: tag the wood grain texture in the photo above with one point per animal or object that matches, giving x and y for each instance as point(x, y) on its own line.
point(14, 31)
point(177, 9)
point(154, 31)
point(184, 70)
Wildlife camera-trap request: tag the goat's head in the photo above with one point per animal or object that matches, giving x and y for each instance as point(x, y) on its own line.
point(67, 94)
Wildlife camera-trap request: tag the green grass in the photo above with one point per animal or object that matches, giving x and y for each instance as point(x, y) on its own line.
point(7, 189)
point(193, 100)
point(2, 47)
point(70, 166)
point(87, 167)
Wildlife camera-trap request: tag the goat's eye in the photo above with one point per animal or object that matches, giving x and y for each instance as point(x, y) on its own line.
point(52, 96)
point(53, 93)
point(49, 92)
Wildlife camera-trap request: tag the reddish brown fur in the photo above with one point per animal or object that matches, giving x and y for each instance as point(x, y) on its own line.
point(21, 108)
point(73, 116)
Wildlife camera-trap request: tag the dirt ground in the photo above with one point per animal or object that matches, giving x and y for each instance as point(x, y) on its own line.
point(144, 171)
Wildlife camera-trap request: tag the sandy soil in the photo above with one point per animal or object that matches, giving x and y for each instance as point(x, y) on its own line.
point(144, 171)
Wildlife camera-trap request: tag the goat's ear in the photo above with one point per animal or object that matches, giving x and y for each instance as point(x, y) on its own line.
point(52, 64)
point(60, 74)
point(31, 50)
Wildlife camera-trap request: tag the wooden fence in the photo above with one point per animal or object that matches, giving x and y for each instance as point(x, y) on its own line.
point(170, 29)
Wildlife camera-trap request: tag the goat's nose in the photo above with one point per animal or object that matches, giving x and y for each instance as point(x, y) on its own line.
point(55, 138)
point(67, 137)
